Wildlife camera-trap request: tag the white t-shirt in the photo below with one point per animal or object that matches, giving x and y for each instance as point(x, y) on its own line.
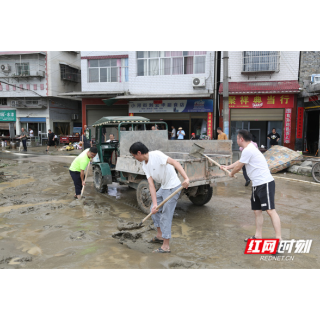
point(173, 135)
point(160, 171)
point(31, 133)
point(256, 165)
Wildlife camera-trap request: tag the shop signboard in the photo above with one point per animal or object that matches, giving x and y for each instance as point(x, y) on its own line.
point(262, 101)
point(171, 106)
point(287, 125)
point(300, 123)
point(8, 115)
point(209, 125)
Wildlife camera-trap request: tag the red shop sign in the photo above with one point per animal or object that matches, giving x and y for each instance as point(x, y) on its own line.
point(262, 101)
point(300, 123)
point(157, 101)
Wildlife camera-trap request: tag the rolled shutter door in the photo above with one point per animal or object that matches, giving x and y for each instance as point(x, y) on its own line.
point(257, 114)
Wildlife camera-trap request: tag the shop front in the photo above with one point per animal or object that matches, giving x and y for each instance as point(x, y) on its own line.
point(194, 116)
point(6, 117)
point(37, 124)
point(259, 114)
point(94, 109)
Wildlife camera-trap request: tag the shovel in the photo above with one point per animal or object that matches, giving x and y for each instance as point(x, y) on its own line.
point(197, 152)
point(85, 180)
point(160, 205)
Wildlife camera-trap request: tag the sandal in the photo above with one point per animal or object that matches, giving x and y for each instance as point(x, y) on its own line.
point(253, 237)
point(160, 250)
point(155, 240)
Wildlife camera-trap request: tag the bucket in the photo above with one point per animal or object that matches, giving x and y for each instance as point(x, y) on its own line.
point(12, 145)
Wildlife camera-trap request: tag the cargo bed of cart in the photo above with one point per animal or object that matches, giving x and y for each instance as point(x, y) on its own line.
point(116, 163)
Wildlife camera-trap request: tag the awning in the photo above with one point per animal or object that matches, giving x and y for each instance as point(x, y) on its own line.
point(255, 87)
point(32, 119)
point(70, 65)
point(4, 53)
point(163, 96)
point(87, 94)
point(117, 120)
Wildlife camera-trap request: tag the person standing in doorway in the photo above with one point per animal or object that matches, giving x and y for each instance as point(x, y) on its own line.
point(181, 134)
point(221, 134)
point(263, 185)
point(173, 133)
point(23, 137)
point(273, 137)
point(50, 140)
point(162, 169)
point(31, 135)
point(86, 138)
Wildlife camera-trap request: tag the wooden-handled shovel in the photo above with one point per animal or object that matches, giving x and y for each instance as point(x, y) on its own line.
point(160, 205)
point(85, 180)
point(197, 152)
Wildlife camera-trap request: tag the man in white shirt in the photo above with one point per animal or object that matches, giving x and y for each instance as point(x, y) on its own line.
point(161, 168)
point(263, 185)
point(173, 133)
point(31, 133)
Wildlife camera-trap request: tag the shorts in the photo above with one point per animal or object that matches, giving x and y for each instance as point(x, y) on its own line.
point(51, 143)
point(262, 197)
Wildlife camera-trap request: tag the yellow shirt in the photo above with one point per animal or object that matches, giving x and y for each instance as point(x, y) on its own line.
point(222, 136)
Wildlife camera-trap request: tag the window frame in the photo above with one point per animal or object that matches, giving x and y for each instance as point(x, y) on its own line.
point(147, 73)
point(272, 62)
point(22, 73)
point(120, 70)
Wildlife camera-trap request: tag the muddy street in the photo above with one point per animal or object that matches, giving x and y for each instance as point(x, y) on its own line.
point(42, 227)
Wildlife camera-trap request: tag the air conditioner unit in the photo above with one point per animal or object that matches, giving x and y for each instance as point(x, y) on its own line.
point(5, 68)
point(199, 82)
point(315, 78)
point(74, 117)
point(40, 73)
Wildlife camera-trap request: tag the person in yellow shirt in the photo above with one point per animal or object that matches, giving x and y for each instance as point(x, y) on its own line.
point(221, 134)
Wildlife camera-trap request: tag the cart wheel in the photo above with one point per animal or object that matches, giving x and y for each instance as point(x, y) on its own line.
point(316, 172)
point(143, 196)
point(97, 177)
point(204, 197)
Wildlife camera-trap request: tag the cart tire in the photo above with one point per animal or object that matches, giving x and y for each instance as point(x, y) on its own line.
point(316, 172)
point(202, 199)
point(143, 196)
point(97, 178)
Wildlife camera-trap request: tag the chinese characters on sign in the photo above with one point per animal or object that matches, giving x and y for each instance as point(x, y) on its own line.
point(7, 115)
point(287, 125)
point(300, 123)
point(209, 125)
point(262, 101)
point(269, 246)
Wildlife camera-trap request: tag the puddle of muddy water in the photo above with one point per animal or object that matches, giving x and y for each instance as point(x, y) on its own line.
point(15, 183)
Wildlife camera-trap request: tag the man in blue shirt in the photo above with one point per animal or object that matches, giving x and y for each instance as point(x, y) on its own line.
point(181, 134)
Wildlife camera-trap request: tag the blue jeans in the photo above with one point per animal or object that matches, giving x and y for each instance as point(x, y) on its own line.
point(24, 142)
point(172, 138)
point(163, 218)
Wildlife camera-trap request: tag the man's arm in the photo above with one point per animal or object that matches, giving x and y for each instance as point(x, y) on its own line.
point(82, 177)
point(179, 168)
point(153, 193)
point(236, 167)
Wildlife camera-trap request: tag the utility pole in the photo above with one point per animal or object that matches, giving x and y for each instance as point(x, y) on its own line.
point(215, 104)
point(225, 112)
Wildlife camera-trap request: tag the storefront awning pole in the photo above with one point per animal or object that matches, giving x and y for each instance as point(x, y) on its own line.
point(225, 93)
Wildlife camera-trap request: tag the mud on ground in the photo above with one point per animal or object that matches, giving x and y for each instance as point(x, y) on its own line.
point(41, 228)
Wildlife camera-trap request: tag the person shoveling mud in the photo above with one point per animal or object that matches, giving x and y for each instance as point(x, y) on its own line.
point(77, 168)
point(161, 168)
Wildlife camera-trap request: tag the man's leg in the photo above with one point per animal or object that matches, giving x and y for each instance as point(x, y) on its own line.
point(167, 216)
point(275, 221)
point(156, 217)
point(24, 142)
point(259, 223)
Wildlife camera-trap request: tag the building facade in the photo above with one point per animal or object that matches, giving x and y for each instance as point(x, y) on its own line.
point(172, 86)
point(263, 91)
point(30, 82)
point(308, 128)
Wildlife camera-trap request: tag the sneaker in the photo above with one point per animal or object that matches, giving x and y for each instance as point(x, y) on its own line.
point(247, 183)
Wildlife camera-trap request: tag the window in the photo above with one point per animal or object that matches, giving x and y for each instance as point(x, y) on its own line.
point(3, 101)
point(108, 70)
point(260, 61)
point(69, 73)
point(22, 69)
point(154, 63)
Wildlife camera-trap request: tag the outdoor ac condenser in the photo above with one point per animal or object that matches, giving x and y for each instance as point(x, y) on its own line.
point(199, 82)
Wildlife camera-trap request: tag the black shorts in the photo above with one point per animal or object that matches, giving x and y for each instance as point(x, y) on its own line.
point(262, 197)
point(51, 143)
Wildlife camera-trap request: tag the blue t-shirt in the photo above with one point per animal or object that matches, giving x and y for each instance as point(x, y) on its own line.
point(180, 134)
